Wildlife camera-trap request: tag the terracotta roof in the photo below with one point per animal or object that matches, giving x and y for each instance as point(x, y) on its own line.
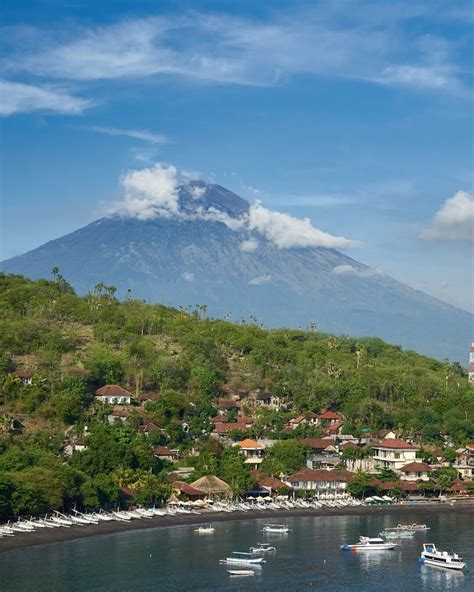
point(164, 451)
point(388, 485)
point(416, 467)
point(118, 412)
point(318, 443)
point(228, 404)
point(272, 483)
point(248, 443)
point(334, 427)
point(188, 489)
point(22, 374)
point(112, 390)
point(298, 419)
point(457, 485)
point(219, 419)
point(225, 428)
point(394, 443)
point(321, 475)
point(329, 415)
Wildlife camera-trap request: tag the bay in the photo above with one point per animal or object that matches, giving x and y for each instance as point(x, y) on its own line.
point(308, 558)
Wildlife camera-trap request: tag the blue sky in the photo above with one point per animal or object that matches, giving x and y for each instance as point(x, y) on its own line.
point(357, 115)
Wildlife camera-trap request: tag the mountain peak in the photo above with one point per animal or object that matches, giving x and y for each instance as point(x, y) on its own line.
point(197, 194)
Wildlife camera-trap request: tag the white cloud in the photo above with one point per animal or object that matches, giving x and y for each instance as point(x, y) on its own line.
point(191, 175)
point(153, 192)
point(361, 272)
point(261, 279)
point(144, 135)
point(454, 221)
point(327, 39)
point(188, 276)
point(197, 192)
point(248, 246)
point(20, 98)
point(288, 232)
point(149, 193)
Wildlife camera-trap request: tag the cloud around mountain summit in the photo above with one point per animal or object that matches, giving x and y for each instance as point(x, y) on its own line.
point(155, 192)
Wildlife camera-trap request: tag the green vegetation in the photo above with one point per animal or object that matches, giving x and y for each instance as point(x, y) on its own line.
point(72, 345)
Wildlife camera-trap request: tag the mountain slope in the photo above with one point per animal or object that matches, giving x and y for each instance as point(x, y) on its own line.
point(197, 258)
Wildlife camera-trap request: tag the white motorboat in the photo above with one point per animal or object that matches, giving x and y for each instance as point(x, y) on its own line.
point(242, 558)
point(369, 544)
point(241, 572)
point(262, 548)
point(205, 529)
point(431, 556)
point(276, 528)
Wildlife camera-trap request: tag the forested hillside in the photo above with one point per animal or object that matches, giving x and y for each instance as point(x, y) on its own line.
point(185, 362)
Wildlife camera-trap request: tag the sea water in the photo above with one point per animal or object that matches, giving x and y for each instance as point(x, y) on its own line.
point(308, 558)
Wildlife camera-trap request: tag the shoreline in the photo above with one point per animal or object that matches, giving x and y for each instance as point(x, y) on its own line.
point(59, 535)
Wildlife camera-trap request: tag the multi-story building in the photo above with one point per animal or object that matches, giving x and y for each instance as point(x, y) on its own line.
point(252, 451)
point(393, 454)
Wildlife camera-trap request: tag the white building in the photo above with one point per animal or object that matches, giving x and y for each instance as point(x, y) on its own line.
point(113, 394)
point(470, 371)
point(252, 451)
point(393, 454)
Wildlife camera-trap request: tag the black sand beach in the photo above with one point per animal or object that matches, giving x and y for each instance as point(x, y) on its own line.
point(57, 535)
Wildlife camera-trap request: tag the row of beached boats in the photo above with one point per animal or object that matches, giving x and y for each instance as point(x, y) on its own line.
point(76, 518)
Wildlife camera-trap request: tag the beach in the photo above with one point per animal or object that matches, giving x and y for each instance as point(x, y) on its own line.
point(58, 535)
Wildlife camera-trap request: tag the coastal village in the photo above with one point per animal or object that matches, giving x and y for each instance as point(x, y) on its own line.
point(333, 458)
point(110, 406)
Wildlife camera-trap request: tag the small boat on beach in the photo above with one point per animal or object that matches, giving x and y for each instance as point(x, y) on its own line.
point(276, 528)
point(262, 548)
point(205, 529)
point(241, 572)
point(242, 558)
point(369, 544)
point(431, 556)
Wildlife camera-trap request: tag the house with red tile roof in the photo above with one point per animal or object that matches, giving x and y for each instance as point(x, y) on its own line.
point(329, 417)
point(273, 485)
point(393, 454)
point(186, 490)
point(113, 394)
point(252, 451)
point(165, 453)
point(415, 471)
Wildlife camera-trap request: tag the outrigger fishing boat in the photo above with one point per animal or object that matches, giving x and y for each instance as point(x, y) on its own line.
point(262, 548)
point(242, 558)
point(414, 526)
point(431, 556)
point(241, 572)
point(276, 528)
point(205, 529)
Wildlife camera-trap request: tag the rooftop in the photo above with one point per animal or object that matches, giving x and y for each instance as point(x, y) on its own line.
point(394, 443)
point(112, 390)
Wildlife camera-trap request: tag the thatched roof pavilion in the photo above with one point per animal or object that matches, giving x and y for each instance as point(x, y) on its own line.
point(212, 485)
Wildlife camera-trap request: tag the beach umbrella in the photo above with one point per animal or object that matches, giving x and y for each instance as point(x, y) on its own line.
point(250, 497)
